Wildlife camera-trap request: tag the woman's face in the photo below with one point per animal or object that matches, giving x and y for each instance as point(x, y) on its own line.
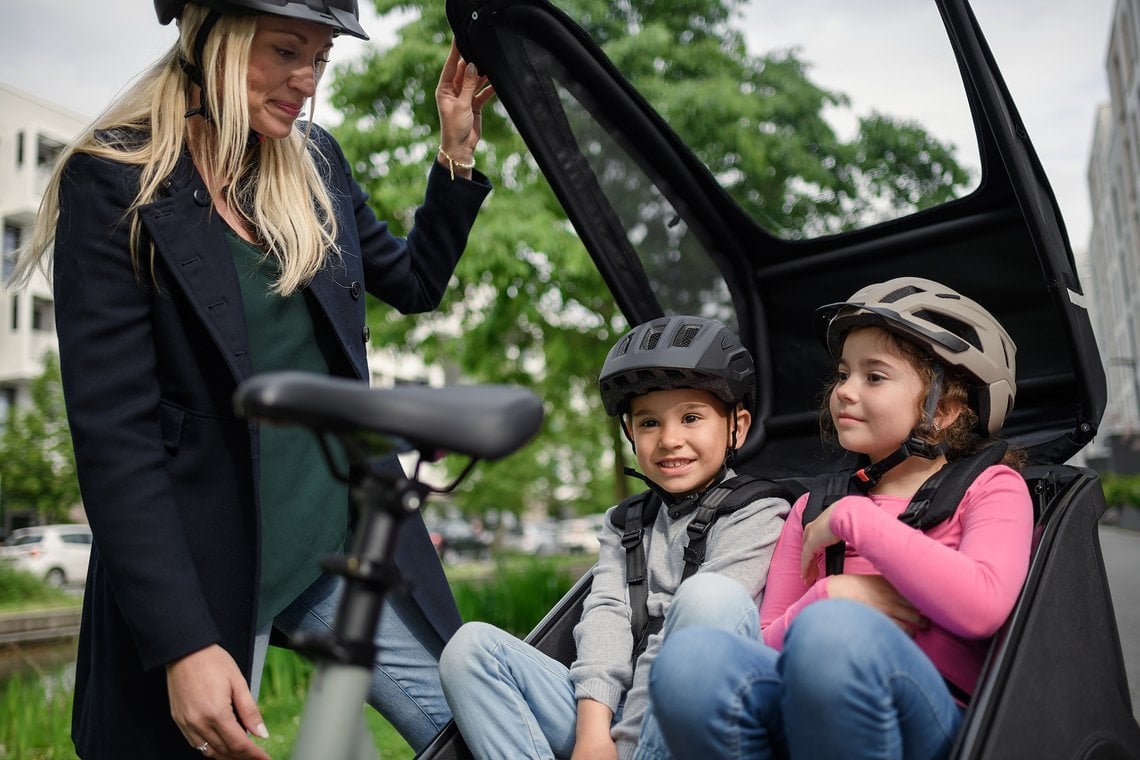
point(285, 62)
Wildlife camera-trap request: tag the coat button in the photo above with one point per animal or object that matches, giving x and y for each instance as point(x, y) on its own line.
point(354, 288)
point(201, 197)
point(366, 334)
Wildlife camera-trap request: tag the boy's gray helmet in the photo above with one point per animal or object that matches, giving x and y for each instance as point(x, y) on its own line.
point(341, 15)
point(954, 328)
point(677, 352)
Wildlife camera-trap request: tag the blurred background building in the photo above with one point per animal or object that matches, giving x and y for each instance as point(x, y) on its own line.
point(1112, 267)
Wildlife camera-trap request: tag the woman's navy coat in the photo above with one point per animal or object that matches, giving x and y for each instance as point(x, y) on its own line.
point(168, 473)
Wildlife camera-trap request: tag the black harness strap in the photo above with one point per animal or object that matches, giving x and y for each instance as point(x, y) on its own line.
point(934, 502)
point(636, 515)
point(639, 511)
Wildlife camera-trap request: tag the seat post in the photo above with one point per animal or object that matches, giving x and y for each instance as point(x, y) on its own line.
point(333, 724)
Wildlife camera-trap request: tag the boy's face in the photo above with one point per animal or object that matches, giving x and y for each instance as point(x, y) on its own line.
point(681, 435)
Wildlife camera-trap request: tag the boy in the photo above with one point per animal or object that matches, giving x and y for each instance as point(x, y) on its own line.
point(682, 387)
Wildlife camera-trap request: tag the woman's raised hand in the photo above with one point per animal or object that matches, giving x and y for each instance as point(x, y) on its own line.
point(460, 97)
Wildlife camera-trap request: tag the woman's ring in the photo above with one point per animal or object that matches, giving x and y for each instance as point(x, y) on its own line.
point(205, 746)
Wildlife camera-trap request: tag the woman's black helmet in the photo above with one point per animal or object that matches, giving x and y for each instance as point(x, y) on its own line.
point(342, 15)
point(677, 352)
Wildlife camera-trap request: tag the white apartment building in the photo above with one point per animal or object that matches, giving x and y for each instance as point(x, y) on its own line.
point(1114, 247)
point(32, 134)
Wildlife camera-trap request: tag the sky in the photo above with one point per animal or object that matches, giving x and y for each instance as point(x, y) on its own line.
point(79, 53)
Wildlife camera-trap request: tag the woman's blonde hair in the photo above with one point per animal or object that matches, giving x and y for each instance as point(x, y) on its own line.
point(274, 186)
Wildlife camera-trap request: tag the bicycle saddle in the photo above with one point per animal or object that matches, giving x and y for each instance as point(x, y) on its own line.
point(481, 421)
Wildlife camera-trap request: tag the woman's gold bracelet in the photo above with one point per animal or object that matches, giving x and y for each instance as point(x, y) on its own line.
point(452, 163)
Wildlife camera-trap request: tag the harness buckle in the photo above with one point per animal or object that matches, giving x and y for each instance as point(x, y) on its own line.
point(632, 538)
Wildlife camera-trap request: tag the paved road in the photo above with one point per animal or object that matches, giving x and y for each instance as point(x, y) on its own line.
point(1121, 549)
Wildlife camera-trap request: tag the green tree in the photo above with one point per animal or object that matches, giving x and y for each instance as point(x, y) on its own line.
point(37, 463)
point(527, 305)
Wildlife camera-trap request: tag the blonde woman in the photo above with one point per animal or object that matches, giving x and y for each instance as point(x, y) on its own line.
point(198, 234)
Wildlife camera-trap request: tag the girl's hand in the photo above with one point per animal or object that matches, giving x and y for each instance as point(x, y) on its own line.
point(211, 703)
point(460, 97)
point(817, 537)
point(877, 592)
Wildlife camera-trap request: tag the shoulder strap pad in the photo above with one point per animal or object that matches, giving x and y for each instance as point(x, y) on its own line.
point(824, 491)
point(938, 498)
point(619, 514)
point(722, 499)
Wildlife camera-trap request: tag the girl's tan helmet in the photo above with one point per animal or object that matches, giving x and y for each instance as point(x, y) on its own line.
point(954, 328)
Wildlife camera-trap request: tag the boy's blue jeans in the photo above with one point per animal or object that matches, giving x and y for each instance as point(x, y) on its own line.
point(405, 678)
point(512, 701)
point(849, 683)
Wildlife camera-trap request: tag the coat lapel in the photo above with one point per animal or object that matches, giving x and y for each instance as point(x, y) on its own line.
point(191, 239)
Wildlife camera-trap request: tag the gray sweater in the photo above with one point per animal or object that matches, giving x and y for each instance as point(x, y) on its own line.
point(739, 545)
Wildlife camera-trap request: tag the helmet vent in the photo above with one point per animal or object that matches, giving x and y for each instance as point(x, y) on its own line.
point(901, 293)
point(651, 339)
point(685, 336)
point(956, 326)
point(623, 346)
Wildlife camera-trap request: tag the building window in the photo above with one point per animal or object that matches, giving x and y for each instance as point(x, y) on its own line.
point(15, 312)
point(13, 236)
point(20, 148)
point(43, 317)
point(47, 151)
point(7, 405)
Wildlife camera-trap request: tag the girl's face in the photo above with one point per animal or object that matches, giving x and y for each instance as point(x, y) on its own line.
point(285, 61)
point(681, 435)
point(877, 396)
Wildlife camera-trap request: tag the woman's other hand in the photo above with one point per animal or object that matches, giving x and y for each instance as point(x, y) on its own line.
point(211, 703)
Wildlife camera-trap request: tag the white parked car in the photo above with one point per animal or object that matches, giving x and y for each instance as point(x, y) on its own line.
point(579, 535)
point(56, 553)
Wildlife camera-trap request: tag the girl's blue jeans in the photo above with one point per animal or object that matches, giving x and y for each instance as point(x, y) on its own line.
point(512, 701)
point(849, 683)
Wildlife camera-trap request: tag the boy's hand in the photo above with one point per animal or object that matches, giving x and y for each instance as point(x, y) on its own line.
point(600, 749)
point(593, 740)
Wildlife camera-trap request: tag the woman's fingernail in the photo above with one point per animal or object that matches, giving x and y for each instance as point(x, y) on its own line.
point(473, 69)
point(262, 731)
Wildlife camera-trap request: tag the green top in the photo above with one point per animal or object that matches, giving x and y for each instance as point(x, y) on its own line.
point(304, 509)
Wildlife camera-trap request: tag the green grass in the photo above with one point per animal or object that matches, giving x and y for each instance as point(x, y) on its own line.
point(23, 591)
point(35, 718)
point(512, 593)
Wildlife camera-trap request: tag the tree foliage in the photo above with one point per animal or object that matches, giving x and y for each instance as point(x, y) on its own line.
point(37, 463)
point(527, 305)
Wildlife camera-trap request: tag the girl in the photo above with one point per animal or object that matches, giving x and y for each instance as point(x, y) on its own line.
point(877, 661)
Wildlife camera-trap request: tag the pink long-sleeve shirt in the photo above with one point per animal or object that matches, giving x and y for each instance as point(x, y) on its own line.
point(963, 575)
